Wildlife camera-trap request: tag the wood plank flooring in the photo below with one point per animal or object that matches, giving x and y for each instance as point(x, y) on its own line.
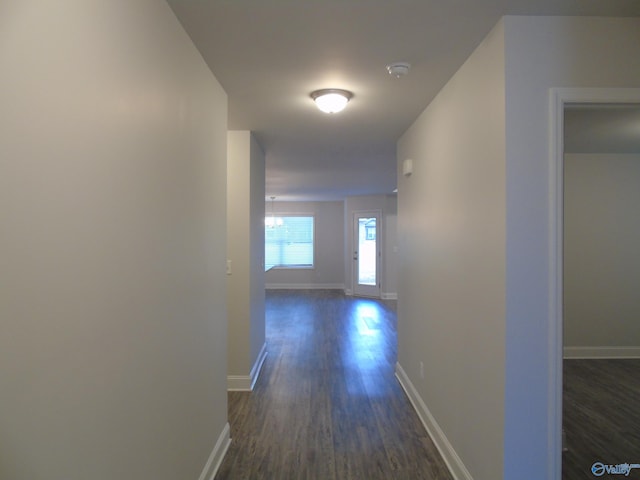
point(327, 404)
point(601, 416)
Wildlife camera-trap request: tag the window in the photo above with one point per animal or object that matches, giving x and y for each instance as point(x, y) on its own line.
point(288, 241)
point(370, 228)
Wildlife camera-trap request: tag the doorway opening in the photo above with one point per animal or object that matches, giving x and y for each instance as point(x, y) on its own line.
point(561, 100)
point(367, 253)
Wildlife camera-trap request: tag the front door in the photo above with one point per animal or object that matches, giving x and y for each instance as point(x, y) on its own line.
point(366, 254)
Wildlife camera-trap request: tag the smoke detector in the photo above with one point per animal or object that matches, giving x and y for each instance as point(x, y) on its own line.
point(398, 69)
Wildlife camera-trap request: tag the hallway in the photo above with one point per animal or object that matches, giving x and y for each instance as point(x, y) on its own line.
point(327, 404)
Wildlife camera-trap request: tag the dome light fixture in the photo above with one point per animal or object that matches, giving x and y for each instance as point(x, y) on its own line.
point(331, 100)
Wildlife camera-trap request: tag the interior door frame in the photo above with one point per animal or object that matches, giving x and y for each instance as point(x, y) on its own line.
point(558, 99)
point(354, 267)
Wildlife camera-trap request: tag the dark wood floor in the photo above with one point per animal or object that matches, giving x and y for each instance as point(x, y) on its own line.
point(601, 416)
point(327, 404)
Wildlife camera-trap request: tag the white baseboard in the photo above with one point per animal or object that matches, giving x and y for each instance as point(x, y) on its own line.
point(451, 458)
point(257, 366)
point(304, 286)
point(245, 383)
point(238, 383)
point(601, 352)
point(217, 455)
point(384, 296)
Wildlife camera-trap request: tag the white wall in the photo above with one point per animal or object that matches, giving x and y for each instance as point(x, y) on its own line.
point(328, 271)
point(452, 217)
point(388, 207)
point(601, 250)
point(390, 256)
point(541, 53)
point(112, 214)
point(245, 250)
point(334, 231)
point(451, 270)
point(257, 281)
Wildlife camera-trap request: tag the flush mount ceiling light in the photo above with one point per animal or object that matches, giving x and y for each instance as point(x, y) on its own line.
point(331, 100)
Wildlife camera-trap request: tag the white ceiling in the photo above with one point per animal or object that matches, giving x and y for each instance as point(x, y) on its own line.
point(270, 54)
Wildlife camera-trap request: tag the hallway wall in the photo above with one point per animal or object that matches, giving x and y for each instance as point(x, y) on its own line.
point(451, 269)
point(543, 53)
point(601, 262)
point(112, 251)
point(245, 251)
point(481, 154)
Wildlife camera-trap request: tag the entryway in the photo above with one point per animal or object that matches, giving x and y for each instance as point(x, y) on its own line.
point(367, 253)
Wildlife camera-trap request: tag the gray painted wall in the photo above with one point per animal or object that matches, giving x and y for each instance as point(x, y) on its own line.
point(390, 258)
point(451, 270)
point(602, 250)
point(257, 281)
point(112, 251)
point(474, 239)
point(541, 53)
point(245, 250)
point(334, 232)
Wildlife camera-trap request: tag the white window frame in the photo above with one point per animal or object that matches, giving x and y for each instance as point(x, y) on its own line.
point(313, 245)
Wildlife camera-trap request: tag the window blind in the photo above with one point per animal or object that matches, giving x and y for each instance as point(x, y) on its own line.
point(289, 243)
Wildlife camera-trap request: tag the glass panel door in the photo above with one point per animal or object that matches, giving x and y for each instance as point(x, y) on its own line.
point(367, 251)
point(367, 254)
